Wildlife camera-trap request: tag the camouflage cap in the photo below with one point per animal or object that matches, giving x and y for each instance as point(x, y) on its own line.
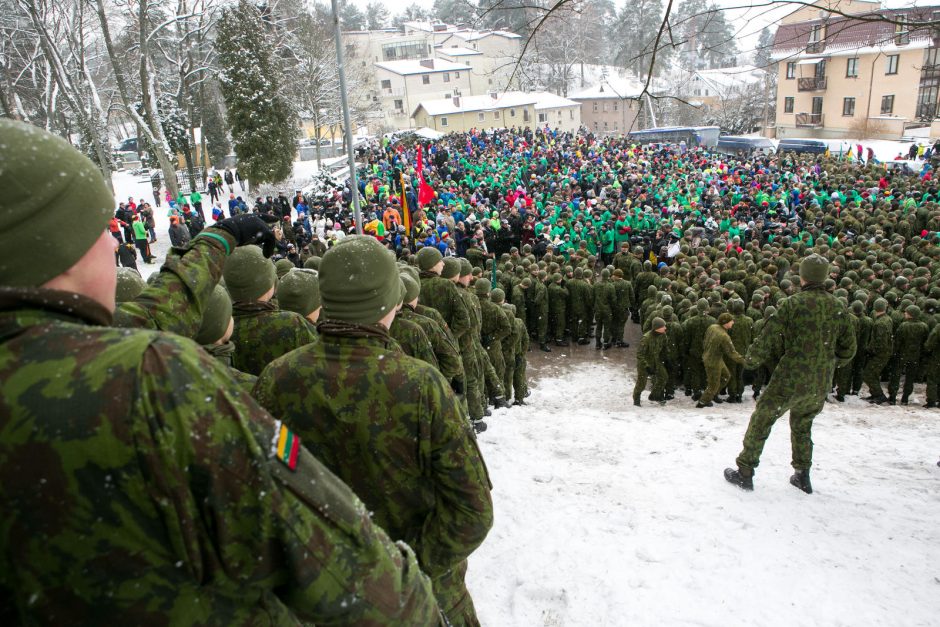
point(412, 287)
point(129, 285)
point(880, 305)
point(282, 267)
point(451, 268)
point(466, 269)
point(299, 291)
point(814, 268)
point(428, 257)
point(658, 323)
point(481, 287)
point(497, 296)
point(725, 318)
point(358, 281)
point(312, 263)
point(46, 184)
point(215, 318)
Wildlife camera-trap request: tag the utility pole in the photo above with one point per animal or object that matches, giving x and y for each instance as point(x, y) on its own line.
point(350, 156)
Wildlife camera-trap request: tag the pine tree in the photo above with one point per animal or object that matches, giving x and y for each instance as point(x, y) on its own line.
point(263, 124)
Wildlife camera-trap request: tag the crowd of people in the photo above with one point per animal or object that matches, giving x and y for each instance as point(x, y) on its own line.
point(281, 425)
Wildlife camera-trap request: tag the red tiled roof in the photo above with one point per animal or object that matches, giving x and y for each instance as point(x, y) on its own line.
point(849, 32)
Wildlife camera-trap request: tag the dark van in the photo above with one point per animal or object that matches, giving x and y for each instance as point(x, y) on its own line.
point(814, 146)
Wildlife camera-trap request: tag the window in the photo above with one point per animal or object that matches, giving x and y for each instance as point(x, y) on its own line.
point(817, 33)
point(697, 92)
point(595, 107)
point(848, 106)
point(887, 104)
point(481, 116)
point(851, 68)
point(512, 113)
point(788, 104)
point(543, 117)
point(571, 113)
point(892, 65)
point(443, 121)
point(495, 115)
point(446, 77)
point(386, 84)
point(456, 76)
point(426, 79)
point(902, 36)
point(605, 107)
point(791, 69)
point(616, 106)
point(399, 105)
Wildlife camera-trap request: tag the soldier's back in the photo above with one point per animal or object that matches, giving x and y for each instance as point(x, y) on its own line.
point(263, 333)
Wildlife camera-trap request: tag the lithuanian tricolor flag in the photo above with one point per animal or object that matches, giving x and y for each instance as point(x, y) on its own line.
point(287, 446)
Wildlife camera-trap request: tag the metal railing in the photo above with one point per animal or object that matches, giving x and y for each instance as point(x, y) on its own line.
point(813, 83)
point(809, 119)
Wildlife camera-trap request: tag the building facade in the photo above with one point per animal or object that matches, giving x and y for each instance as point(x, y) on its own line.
point(612, 106)
point(403, 84)
point(499, 110)
point(850, 77)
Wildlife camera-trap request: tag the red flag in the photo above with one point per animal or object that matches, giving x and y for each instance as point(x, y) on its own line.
point(425, 191)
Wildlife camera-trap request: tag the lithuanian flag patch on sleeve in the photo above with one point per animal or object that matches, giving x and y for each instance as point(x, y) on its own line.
point(286, 445)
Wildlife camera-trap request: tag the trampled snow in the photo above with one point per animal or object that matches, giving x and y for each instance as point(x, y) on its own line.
point(608, 514)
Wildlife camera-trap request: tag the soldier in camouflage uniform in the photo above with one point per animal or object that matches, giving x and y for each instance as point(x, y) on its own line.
point(470, 350)
point(263, 332)
point(932, 366)
point(140, 481)
point(910, 339)
point(693, 331)
point(508, 343)
point(605, 301)
point(717, 351)
point(808, 338)
point(558, 309)
point(494, 327)
point(215, 335)
point(862, 335)
point(880, 348)
point(650, 359)
point(624, 291)
point(411, 337)
point(742, 334)
point(537, 308)
point(441, 294)
point(386, 423)
point(579, 295)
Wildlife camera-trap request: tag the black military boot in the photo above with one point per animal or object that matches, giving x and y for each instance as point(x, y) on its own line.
point(487, 412)
point(606, 345)
point(597, 344)
point(696, 395)
point(800, 479)
point(519, 402)
point(930, 404)
point(636, 402)
point(893, 400)
point(687, 392)
point(733, 475)
point(756, 393)
point(499, 402)
point(544, 347)
point(479, 426)
point(904, 399)
point(840, 398)
point(718, 400)
point(561, 342)
point(701, 405)
point(582, 341)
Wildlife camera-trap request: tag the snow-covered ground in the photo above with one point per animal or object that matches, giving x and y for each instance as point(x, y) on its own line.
point(607, 514)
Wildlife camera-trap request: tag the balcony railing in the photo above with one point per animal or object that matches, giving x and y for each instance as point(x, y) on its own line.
point(926, 111)
point(809, 120)
point(815, 47)
point(813, 83)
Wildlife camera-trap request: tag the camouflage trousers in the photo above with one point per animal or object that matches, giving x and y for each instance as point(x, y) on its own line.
point(454, 599)
point(910, 370)
point(605, 323)
point(771, 405)
point(559, 321)
point(872, 376)
point(717, 375)
point(659, 377)
point(843, 380)
point(932, 377)
point(495, 355)
point(579, 323)
point(473, 382)
point(492, 383)
point(694, 374)
point(509, 361)
point(858, 371)
point(618, 322)
point(520, 384)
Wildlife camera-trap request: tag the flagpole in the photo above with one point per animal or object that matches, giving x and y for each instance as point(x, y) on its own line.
point(350, 156)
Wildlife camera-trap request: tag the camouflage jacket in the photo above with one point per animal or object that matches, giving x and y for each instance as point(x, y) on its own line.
point(263, 333)
point(225, 353)
point(446, 351)
point(652, 351)
point(519, 300)
point(910, 339)
point(496, 325)
point(624, 291)
point(413, 340)
point(441, 294)
point(392, 428)
point(742, 332)
point(474, 314)
point(694, 332)
point(605, 297)
point(141, 486)
point(579, 295)
point(718, 346)
point(881, 336)
point(805, 341)
point(557, 297)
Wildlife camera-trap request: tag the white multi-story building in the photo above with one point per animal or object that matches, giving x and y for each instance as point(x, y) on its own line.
point(403, 84)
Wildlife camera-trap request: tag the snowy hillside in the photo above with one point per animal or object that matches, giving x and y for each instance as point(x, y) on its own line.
point(607, 514)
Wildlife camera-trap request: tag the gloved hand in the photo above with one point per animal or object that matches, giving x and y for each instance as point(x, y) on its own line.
point(251, 228)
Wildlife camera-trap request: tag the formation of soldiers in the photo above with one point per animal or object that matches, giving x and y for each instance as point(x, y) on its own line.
point(243, 440)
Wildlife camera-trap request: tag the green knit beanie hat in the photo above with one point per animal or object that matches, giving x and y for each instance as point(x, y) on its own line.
point(481, 287)
point(312, 263)
point(412, 287)
point(497, 296)
point(359, 281)
point(410, 271)
point(129, 285)
point(299, 291)
point(814, 269)
point(451, 268)
point(48, 187)
point(248, 275)
point(282, 267)
point(658, 323)
point(466, 268)
point(215, 318)
point(428, 257)
point(725, 318)
point(880, 305)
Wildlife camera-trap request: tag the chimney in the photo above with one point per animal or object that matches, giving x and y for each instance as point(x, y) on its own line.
point(428, 63)
point(493, 95)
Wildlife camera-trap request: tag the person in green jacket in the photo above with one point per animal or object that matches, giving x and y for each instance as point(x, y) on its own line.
point(386, 423)
point(910, 339)
point(717, 351)
point(141, 239)
point(140, 481)
point(605, 300)
point(880, 348)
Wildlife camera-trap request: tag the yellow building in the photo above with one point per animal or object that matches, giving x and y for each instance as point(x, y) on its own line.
point(855, 78)
point(499, 110)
